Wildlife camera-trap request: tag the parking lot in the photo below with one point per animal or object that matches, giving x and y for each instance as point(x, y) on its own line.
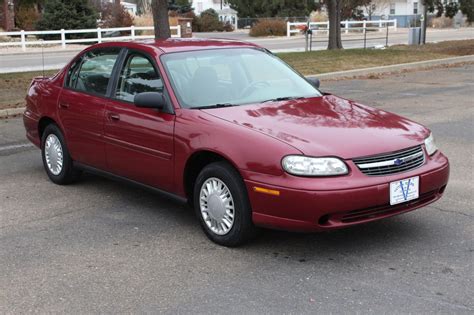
point(100, 246)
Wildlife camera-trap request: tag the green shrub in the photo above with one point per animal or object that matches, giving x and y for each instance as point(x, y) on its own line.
point(208, 21)
point(268, 28)
point(68, 14)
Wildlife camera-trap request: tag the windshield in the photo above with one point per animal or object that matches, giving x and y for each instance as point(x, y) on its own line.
point(228, 77)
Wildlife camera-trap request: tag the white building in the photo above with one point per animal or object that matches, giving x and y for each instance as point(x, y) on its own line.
point(226, 13)
point(406, 12)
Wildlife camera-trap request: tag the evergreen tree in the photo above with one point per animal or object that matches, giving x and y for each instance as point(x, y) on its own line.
point(467, 8)
point(68, 14)
point(181, 6)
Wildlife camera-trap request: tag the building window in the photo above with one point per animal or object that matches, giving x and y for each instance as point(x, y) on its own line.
point(392, 8)
point(415, 7)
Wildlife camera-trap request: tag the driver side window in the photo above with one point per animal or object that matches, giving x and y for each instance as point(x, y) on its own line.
point(137, 76)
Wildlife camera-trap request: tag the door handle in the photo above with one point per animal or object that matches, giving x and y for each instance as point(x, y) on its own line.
point(114, 117)
point(64, 105)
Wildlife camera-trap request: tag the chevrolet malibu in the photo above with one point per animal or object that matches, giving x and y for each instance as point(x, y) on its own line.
point(234, 131)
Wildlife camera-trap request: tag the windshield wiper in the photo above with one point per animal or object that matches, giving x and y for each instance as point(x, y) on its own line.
point(279, 99)
point(219, 105)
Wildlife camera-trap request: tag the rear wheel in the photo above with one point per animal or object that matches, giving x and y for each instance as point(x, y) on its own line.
point(56, 159)
point(222, 206)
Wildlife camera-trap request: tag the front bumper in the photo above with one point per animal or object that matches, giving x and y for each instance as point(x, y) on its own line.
point(323, 209)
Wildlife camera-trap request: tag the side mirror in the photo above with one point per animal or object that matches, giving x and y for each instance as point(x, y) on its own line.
point(314, 82)
point(150, 100)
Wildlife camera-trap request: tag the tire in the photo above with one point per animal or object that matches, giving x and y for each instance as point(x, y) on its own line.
point(242, 228)
point(66, 173)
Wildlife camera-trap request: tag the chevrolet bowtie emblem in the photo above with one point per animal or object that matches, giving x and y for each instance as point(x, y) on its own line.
point(398, 162)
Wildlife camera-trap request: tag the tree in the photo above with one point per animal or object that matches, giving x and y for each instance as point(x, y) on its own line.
point(68, 14)
point(272, 8)
point(351, 9)
point(467, 8)
point(115, 15)
point(180, 6)
point(337, 9)
point(449, 10)
point(161, 23)
point(334, 15)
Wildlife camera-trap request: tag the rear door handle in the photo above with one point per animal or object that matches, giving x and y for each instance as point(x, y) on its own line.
point(64, 105)
point(113, 116)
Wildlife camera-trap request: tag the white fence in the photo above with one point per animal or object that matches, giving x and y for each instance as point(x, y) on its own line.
point(294, 28)
point(101, 35)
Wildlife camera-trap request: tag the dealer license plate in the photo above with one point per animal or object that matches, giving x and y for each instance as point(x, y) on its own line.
point(404, 190)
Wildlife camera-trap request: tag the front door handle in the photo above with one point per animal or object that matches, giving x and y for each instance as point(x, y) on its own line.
point(64, 105)
point(114, 116)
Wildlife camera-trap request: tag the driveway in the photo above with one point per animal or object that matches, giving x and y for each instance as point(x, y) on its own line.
point(105, 247)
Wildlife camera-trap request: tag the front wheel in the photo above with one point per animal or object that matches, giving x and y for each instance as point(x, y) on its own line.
point(56, 159)
point(222, 206)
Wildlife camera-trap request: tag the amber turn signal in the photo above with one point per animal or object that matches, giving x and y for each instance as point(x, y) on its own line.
point(266, 191)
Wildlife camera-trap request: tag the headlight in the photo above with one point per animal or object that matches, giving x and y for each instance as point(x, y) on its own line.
point(309, 166)
point(430, 145)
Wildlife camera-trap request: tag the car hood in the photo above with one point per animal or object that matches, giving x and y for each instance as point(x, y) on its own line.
point(327, 126)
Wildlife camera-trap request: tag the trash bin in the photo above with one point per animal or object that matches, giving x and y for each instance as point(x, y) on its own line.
point(414, 34)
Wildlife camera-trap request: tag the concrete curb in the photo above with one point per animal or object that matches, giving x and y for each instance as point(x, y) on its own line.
point(419, 65)
point(4, 113)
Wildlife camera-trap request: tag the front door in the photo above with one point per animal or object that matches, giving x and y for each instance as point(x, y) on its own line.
point(139, 141)
point(82, 105)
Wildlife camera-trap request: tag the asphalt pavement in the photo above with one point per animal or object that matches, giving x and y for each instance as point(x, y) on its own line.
point(99, 246)
point(33, 60)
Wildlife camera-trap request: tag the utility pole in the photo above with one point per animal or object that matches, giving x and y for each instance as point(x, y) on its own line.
point(423, 23)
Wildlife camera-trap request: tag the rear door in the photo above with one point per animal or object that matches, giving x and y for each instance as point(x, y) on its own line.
point(82, 105)
point(139, 141)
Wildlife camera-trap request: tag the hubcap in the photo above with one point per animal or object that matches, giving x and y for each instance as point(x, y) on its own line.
point(53, 153)
point(217, 206)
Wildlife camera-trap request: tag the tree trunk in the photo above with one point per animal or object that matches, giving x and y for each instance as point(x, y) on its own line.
point(160, 19)
point(334, 14)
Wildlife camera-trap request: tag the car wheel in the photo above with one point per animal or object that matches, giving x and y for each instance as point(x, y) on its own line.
point(56, 159)
point(222, 206)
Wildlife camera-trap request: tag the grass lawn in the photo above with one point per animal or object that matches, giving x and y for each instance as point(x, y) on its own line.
point(13, 85)
point(331, 61)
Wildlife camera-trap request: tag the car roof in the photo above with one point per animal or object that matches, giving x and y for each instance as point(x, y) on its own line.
point(183, 44)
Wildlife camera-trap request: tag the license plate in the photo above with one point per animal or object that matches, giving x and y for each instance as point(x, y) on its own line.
point(404, 190)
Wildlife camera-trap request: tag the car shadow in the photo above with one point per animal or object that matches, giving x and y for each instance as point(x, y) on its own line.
point(364, 239)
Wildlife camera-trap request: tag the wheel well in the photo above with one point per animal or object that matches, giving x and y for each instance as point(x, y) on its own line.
point(194, 166)
point(44, 121)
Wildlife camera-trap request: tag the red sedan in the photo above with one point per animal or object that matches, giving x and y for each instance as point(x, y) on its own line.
point(236, 132)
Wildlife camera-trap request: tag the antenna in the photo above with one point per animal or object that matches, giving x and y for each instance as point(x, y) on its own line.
point(42, 54)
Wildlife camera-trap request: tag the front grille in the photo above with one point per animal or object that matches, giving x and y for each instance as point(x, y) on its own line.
point(391, 163)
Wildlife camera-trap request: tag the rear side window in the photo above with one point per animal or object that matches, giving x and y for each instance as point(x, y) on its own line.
point(92, 72)
point(137, 76)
